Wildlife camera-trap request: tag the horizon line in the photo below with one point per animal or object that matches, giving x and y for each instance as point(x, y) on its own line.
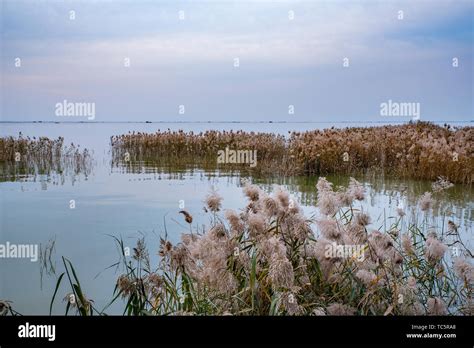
point(158, 122)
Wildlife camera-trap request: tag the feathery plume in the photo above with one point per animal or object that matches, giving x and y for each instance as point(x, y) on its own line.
point(187, 217)
point(436, 306)
point(464, 270)
point(327, 200)
point(252, 192)
point(434, 249)
point(329, 229)
point(426, 201)
point(407, 244)
point(367, 277)
point(356, 189)
point(214, 201)
point(281, 272)
point(340, 309)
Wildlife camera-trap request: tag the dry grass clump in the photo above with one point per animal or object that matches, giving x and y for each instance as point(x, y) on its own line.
point(181, 149)
point(420, 150)
point(31, 156)
point(269, 259)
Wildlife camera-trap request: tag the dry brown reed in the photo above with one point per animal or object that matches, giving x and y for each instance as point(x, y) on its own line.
point(420, 150)
point(24, 156)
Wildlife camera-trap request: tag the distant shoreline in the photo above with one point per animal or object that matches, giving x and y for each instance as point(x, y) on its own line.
point(227, 122)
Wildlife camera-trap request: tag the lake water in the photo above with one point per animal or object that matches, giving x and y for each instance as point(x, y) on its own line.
point(114, 201)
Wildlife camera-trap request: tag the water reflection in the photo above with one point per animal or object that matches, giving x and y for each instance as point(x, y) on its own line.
point(396, 190)
point(384, 194)
point(44, 160)
point(51, 162)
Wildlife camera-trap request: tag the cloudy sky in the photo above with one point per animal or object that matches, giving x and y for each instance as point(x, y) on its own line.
point(289, 53)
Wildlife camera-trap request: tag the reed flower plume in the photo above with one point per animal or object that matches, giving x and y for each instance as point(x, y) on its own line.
point(187, 217)
point(362, 219)
point(270, 206)
point(464, 270)
point(235, 222)
point(426, 201)
point(281, 272)
point(327, 199)
point(213, 202)
point(407, 244)
point(283, 198)
point(4, 308)
point(367, 277)
point(436, 306)
point(356, 189)
point(256, 225)
point(269, 260)
point(329, 229)
point(253, 192)
point(434, 249)
point(340, 309)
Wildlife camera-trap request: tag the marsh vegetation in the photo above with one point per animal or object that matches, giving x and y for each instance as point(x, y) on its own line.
point(22, 157)
point(420, 151)
point(271, 259)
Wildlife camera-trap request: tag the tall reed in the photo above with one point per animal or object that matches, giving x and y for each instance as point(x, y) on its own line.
point(270, 259)
point(24, 156)
point(420, 150)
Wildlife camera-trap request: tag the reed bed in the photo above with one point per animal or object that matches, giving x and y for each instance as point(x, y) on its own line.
point(25, 156)
point(418, 150)
point(184, 150)
point(270, 259)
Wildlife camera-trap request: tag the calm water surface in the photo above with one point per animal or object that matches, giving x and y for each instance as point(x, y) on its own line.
point(114, 201)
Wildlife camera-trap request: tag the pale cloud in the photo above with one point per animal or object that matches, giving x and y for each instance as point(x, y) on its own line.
point(321, 33)
point(173, 58)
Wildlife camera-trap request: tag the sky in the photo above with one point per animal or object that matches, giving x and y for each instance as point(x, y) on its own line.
point(324, 60)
